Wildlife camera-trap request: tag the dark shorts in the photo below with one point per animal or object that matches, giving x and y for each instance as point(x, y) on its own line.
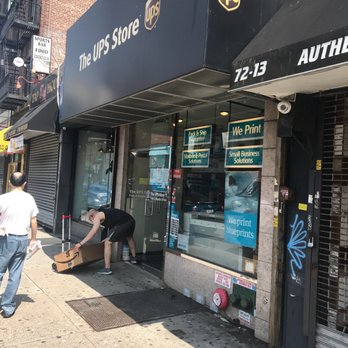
point(120, 232)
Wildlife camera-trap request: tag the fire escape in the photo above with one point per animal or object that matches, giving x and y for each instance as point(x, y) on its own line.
point(19, 20)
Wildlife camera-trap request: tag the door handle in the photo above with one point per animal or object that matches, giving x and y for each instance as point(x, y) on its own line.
point(292, 295)
point(145, 207)
point(148, 208)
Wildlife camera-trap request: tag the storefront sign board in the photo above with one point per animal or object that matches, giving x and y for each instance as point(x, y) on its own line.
point(244, 157)
point(41, 54)
point(16, 144)
point(195, 158)
point(3, 143)
point(120, 48)
point(316, 53)
point(198, 136)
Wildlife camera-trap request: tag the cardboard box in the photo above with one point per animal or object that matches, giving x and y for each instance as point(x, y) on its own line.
point(86, 254)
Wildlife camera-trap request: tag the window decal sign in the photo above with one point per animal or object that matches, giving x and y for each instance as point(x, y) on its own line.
point(159, 171)
point(242, 191)
point(249, 129)
point(198, 136)
point(195, 158)
point(230, 5)
point(244, 156)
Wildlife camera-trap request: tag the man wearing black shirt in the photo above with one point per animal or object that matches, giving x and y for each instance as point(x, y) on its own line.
point(122, 225)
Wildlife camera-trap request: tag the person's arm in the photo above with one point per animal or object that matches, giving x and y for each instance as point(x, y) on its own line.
point(33, 227)
point(96, 225)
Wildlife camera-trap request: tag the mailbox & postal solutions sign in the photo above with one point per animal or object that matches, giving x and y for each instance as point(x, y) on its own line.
point(196, 158)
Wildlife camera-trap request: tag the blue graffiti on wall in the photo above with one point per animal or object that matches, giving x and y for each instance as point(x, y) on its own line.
point(296, 245)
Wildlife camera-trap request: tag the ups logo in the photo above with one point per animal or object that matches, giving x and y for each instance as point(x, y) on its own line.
point(230, 5)
point(152, 12)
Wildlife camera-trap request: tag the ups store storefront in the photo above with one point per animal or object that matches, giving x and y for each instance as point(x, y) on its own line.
point(305, 73)
point(153, 130)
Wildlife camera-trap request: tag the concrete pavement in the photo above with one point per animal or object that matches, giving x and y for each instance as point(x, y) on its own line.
point(44, 319)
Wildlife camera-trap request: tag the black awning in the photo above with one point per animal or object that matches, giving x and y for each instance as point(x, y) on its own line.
point(303, 37)
point(37, 121)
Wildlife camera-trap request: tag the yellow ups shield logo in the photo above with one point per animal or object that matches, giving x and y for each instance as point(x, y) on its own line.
point(152, 13)
point(230, 5)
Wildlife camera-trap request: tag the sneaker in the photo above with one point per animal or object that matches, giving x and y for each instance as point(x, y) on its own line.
point(105, 271)
point(133, 260)
point(7, 315)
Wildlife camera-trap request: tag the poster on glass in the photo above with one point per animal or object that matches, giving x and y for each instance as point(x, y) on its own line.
point(242, 192)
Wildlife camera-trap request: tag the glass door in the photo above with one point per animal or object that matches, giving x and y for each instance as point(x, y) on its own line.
point(147, 187)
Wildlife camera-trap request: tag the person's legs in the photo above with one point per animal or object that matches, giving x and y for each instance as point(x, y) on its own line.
point(132, 246)
point(131, 242)
point(120, 233)
point(5, 257)
point(107, 253)
point(18, 248)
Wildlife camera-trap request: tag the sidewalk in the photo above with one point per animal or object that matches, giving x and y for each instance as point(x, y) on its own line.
point(44, 319)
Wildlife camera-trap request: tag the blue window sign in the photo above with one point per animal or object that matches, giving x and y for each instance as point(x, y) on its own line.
point(195, 158)
point(198, 136)
point(249, 129)
point(244, 157)
point(242, 192)
point(241, 229)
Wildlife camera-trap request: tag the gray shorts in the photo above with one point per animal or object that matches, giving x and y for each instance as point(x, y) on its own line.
point(119, 233)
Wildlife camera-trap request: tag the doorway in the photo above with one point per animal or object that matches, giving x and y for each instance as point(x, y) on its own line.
point(149, 161)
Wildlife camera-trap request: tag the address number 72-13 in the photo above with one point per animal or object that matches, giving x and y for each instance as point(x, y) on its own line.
point(258, 70)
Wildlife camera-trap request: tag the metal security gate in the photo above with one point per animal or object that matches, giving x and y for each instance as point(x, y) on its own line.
point(42, 175)
point(332, 287)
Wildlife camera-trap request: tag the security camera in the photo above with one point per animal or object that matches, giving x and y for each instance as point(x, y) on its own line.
point(284, 107)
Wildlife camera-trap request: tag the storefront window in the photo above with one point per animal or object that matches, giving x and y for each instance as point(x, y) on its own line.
point(216, 185)
point(94, 166)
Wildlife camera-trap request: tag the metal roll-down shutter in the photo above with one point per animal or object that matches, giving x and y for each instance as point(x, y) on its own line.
point(332, 293)
point(42, 175)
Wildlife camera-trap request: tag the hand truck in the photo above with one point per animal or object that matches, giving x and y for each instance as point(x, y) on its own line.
point(68, 240)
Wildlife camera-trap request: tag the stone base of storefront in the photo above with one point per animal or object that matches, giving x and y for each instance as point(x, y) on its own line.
point(198, 279)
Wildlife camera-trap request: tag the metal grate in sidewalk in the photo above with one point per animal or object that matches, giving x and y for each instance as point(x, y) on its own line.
point(103, 313)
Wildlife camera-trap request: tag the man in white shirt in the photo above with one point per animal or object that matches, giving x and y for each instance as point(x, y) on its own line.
point(18, 213)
